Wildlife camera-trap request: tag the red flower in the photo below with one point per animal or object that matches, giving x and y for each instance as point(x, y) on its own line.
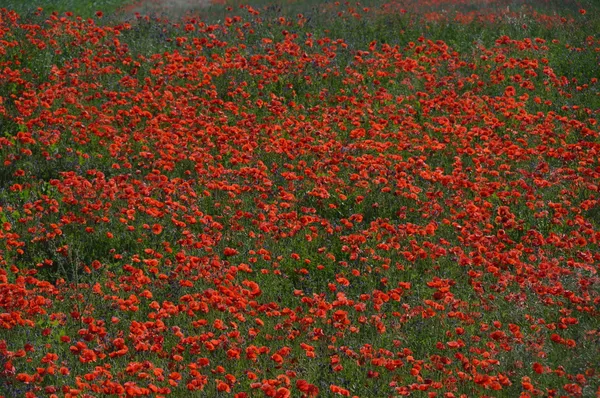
point(223, 387)
point(157, 229)
point(282, 392)
point(230, 252)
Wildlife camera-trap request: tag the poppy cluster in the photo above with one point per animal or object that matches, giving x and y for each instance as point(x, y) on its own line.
point(255, 208)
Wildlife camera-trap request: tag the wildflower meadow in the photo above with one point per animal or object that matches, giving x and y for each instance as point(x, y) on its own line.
point(299, 198)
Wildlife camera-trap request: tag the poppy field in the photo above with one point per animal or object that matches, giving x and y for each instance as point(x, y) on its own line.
point(310, 199)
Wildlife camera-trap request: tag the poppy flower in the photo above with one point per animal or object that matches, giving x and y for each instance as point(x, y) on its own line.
point(157, 229)
point(228, 251)
point(223, 387)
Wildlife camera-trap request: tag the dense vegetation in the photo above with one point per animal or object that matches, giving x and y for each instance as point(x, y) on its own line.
point(309, 199)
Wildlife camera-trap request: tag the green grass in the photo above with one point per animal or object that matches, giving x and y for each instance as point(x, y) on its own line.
point(84, 9)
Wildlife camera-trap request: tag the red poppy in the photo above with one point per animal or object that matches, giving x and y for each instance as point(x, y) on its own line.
point(157, 229)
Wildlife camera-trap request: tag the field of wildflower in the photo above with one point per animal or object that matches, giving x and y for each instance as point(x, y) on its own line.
point(300, 199)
